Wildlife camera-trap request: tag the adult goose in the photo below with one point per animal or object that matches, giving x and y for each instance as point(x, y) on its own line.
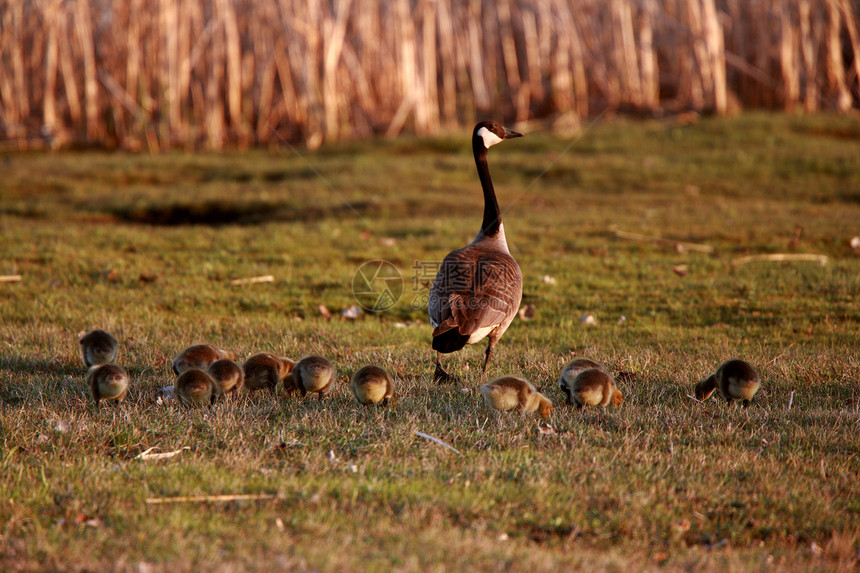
point(477, 291)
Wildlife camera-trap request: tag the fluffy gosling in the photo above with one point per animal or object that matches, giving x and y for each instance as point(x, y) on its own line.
point(312, 374)
point(107, 382)
point(229, 377)
point(736, 379)
point(98, 347)
point(372, 385)
point(199, 356)
point(510, 393)
point(594, 387)
point(266, 370)
point(194, 387)
point(565, 381)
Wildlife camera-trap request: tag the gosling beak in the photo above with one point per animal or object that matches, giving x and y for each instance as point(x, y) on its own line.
point(510, 134)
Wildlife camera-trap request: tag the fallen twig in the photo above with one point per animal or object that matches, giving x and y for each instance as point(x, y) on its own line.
point(148, 455)
point(790, 400)
point(438, 441)
point(207, 498)
point(679, 246)
point(781, 257)
point(253, 280)
point(10, 278)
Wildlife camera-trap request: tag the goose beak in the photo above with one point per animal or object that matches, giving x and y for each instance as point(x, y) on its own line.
point(510, 134)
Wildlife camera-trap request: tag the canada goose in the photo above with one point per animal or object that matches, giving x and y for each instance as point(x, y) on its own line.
point(478, 289)
point(510, 393)
point(199, 356)
point(194, 387)
point(372, 385)
point(594, 387)
point(312, 374)
point(107, 382)
point(266, 370)
point(565, 381)
point(229, 377)
point(736, 379)
point(98, 347)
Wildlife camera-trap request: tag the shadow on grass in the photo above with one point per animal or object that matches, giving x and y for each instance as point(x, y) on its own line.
point(34, 377)
point(36, 366)
point(218, 213)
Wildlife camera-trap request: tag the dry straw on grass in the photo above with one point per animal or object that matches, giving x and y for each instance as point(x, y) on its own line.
point(216, 73)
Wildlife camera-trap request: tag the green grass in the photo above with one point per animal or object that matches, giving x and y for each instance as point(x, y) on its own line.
point(661, 483)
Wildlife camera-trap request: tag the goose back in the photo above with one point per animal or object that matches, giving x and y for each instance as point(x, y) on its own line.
point(477, 292)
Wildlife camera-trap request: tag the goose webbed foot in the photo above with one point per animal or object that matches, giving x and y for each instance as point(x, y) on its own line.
point(442, 377)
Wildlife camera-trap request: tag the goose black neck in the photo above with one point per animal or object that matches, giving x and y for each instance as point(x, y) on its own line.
point(492, 215)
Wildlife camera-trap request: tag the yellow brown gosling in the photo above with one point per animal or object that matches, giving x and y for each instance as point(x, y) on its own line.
point(194, 387)
point(229, 377)
point(372, 385)
point(107, 382)
point(312, 374)
point(98, 347)
point(510, 393)
point(565, 381)
point(736, 380)
point(595, 387)
point(199, 356)
point(265, 370)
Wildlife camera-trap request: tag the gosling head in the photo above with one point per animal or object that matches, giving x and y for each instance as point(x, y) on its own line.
point(545, 407)
point(706, 387)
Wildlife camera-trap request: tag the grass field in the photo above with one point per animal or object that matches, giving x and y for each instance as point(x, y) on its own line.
point(146, 247)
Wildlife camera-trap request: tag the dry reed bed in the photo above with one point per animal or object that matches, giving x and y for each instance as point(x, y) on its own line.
point(216, 73)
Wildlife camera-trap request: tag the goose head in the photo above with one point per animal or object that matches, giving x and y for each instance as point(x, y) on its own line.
point(489, 133)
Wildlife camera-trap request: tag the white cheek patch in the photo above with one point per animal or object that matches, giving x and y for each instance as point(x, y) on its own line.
point(490, 138)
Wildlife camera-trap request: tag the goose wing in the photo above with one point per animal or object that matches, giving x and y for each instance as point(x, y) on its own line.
point(473, 290)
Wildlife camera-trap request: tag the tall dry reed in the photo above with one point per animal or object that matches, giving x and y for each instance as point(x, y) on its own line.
point(216, 73)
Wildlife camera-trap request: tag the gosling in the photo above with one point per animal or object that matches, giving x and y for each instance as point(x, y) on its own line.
point(736, 379)
point(194, 387)
point(372, 385)
point(229, 377)
point(594, 387)
point(98, 347)
point(565, 381)
point(199, 356)
point(265, 370)
point(510, 393)
point(107, 382)
point(312, 374)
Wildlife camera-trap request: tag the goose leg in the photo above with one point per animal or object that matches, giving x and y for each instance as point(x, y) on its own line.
point(440, 376)
point(489, 353)
point(326, 390)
